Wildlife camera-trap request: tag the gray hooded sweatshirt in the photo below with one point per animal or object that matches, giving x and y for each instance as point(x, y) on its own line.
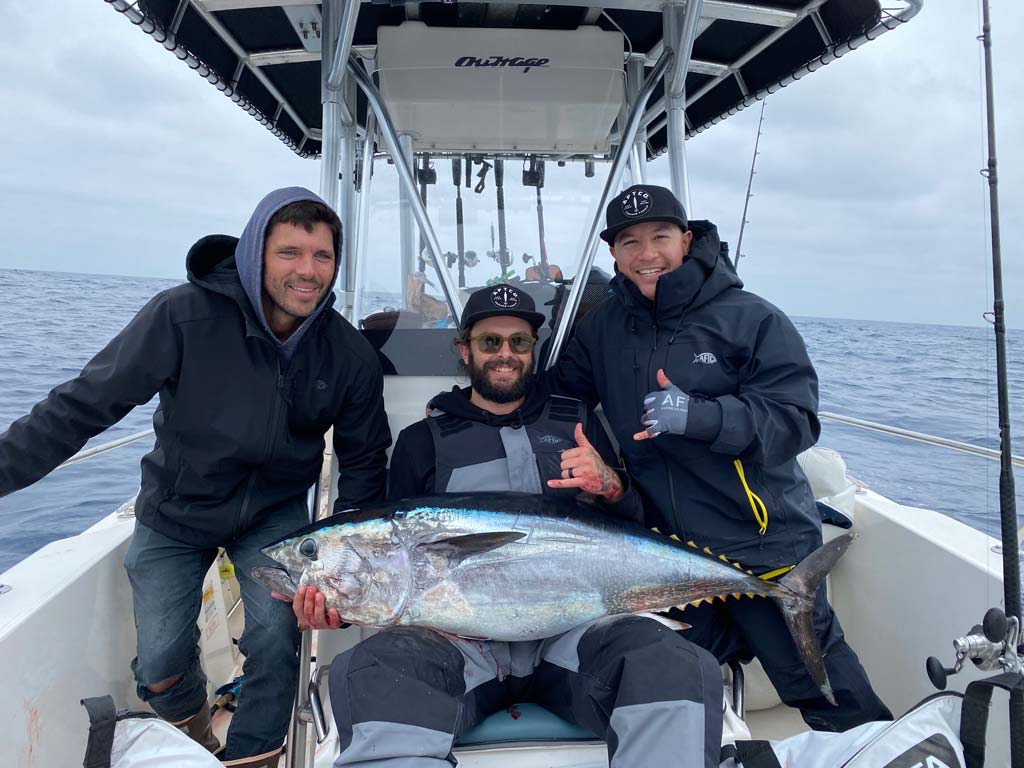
point(249, 262)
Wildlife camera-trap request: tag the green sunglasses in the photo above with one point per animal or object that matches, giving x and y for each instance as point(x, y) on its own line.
point(491, 343)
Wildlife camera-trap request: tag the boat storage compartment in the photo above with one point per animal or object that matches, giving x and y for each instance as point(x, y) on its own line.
point(533, 90)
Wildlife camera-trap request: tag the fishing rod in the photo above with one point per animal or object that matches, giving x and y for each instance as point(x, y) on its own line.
point(995, 644)
point(1007, 497)
point(459, 222)
point(1007, 500)
point(424, 175)
point(504, 261)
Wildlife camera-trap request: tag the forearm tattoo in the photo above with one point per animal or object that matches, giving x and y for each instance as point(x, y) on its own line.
point(610, 484)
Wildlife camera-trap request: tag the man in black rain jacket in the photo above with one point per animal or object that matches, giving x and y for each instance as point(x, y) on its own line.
point(720, 387)
point(251, 367)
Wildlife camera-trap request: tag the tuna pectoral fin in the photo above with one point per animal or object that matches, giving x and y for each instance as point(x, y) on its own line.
point(278, 579)
point(797, 606)
point(458, 548)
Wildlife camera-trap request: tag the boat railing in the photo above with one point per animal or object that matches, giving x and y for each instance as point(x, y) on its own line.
point(921, 437)
point(874, 426)
point(89, 453)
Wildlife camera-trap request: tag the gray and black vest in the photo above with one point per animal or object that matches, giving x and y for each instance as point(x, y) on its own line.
point(471, 456)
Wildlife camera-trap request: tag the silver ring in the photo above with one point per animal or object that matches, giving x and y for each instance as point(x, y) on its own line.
point(570, 473)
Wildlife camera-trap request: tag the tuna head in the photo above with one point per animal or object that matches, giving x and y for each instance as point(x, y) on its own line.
point(363, 573)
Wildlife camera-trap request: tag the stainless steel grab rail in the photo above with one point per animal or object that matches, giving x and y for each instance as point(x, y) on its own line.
point(921, 437)
point(874, 426)
point(89, 453)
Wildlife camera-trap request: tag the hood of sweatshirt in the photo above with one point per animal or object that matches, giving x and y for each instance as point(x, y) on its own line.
point(225, 265)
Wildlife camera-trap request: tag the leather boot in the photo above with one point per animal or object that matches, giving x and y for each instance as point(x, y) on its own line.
point(200, 730)
point(266, 760)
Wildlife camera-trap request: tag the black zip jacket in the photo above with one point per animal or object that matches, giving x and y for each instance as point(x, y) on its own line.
point(413, 471)
point(239, 429)
point(753, 407)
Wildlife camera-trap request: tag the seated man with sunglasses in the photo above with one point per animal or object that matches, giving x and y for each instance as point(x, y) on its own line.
point(403, 696)
point(502, 432)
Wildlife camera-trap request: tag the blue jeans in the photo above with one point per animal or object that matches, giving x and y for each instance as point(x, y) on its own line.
point(167, 577)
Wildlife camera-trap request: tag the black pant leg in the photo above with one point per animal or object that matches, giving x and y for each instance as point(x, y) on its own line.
point(397, 699)
point(654, 697)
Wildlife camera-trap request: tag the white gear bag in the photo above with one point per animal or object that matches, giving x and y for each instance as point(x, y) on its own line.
point(138, 740)
point(946, 730)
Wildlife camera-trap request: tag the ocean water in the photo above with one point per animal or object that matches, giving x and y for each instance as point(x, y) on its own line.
point(928, 378)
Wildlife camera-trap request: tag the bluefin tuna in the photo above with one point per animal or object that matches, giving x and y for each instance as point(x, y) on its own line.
point(521, 567)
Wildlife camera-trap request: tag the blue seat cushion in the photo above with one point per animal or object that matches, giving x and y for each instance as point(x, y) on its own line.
point(523, 722)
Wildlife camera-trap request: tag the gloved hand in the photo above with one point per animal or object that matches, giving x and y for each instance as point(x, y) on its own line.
point(665, 410)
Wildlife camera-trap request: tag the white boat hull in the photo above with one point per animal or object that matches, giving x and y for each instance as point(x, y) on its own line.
point(913, 581)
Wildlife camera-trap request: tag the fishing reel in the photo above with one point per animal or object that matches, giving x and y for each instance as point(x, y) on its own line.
point(989, 645)
point(533, 174)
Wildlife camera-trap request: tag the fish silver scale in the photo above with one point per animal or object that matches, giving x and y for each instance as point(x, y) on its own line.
point(562, 571)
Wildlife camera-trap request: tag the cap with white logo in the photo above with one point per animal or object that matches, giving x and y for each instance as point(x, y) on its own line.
point(500, 300)
point(642, 202)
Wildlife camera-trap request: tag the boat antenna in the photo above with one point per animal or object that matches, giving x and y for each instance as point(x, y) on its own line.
point(750, 181)
point(1007, 501)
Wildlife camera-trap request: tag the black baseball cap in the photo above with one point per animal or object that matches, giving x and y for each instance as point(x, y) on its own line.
point(500, 300)
point(642, 202)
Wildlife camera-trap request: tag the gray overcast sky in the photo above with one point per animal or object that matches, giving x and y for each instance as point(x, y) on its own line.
point(868, 202)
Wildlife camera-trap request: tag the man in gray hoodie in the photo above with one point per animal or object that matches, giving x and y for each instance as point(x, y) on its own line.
point(251, 367)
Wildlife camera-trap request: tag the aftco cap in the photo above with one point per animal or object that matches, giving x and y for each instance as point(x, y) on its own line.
point(500, 300)
point(642, 202)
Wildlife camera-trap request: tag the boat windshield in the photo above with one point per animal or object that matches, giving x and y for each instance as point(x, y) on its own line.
point(509, 132)
point(532, 239)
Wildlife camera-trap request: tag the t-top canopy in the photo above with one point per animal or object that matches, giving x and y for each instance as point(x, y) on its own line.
point(265, 55)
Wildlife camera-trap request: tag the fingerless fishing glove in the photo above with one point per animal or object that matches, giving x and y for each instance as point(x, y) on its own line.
point(666, 410)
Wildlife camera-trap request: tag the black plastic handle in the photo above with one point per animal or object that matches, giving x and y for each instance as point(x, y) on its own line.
point(937, 673)
point(994, 625)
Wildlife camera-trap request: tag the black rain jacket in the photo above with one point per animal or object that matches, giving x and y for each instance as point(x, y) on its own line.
point(413, 471)
point(732, 483)
point(239, 429)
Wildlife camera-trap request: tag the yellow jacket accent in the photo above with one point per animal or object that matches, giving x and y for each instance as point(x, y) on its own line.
point(758, 507)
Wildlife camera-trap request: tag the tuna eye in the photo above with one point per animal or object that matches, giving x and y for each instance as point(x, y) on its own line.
point(308, 548)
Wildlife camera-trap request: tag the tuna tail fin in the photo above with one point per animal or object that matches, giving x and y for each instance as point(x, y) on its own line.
point(797, 606)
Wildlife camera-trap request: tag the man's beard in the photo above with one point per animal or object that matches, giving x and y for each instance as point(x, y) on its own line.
point(499, 393)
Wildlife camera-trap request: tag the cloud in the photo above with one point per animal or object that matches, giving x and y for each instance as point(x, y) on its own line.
point(867, 199)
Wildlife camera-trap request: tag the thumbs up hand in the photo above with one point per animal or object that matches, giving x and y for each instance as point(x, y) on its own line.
point(665, 410)
point(583, 468)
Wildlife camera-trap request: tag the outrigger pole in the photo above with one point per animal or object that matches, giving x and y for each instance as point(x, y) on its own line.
point(750, 182)
point(1007, 492)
